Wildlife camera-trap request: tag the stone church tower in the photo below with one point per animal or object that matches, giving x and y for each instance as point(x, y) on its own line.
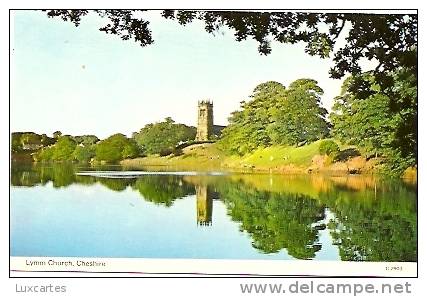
point(204, 121)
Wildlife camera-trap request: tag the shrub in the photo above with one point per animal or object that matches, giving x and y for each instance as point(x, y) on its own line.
point(44, 155)
point(84, 153)
point(63, 149)
point(115, 148)
point(328, 147)
point(161, 138)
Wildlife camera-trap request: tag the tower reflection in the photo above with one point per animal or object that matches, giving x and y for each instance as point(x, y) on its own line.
point(204, 197)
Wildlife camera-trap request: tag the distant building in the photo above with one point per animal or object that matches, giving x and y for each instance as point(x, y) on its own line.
point(206, 130)
point(204, 120)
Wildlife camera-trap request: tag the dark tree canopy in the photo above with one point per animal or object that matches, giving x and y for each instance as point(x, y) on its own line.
point(390, 39)
point(384, 124)
point(120, 22)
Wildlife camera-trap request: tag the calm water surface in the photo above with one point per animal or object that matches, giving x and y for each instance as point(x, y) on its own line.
point(67, 210)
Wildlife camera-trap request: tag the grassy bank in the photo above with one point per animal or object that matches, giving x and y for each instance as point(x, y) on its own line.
point(199, 156)
point(277, 159)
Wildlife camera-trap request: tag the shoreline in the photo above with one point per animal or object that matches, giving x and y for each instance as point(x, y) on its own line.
point(304, 160)
point(336, 170)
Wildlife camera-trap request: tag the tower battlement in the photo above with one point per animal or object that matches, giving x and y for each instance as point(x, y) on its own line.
point(205, 102)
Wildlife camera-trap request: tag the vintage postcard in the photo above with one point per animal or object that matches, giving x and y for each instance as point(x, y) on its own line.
point(214, 142)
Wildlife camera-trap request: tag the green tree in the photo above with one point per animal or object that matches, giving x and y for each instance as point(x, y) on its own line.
point(163, 137)
point(276, 115)
point(46, 140)
point(86, 140)
point(115, 148)
point(84, 153)
point(328, 147)
point(44, 155)
point(16, 142)
point(375, 123)
point(300, 117)
point(31, 141)
point(63, 149)
point(57, 134)
point(247, 128)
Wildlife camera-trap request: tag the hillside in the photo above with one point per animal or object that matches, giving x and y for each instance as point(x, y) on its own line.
point(276, 159)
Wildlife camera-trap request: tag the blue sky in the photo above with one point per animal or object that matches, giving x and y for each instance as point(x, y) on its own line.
point(82, 81)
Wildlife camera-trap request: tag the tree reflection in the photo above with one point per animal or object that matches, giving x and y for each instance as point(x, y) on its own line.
point(61, 175)
point(163, 189)
point(378, 224)
point(276, 221)
point(373, 220)
point(116, 184)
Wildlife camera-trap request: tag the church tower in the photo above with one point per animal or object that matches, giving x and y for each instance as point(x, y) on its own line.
point(204, 120)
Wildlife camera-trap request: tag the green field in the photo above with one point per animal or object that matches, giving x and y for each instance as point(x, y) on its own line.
point(281, 155)
point(209, 156)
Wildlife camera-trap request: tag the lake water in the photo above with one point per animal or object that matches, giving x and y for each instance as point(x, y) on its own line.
point(67, 210)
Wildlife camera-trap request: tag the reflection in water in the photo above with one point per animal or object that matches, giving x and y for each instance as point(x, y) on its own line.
point(162, 189)
point(366, 218)
point(277, 221)
point(205, 195)
point(204, 205)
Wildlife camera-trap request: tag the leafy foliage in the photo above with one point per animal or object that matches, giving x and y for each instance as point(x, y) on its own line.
point(47, 141)
point(385, 38)
point(44, 155)
point(300, 118)
point(380, 124)
point(120, 22)
point(115, 148)
point(86, 140)
point(276, 116)
point(247, 128)
point(57, 134)
point(163, 137)
point(84, 153)
point(63, 149)
point(328, 147)
point(29, 141)
point(16, 142)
